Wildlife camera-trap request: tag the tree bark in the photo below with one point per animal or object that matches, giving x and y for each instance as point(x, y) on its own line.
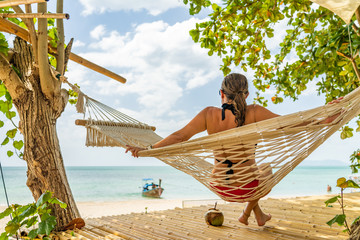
point(38, 117)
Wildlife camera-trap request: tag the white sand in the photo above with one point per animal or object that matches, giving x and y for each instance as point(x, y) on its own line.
point(98, 209)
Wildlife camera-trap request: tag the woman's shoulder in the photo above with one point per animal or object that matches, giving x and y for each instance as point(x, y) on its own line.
point(261, 113)
point(211, 111)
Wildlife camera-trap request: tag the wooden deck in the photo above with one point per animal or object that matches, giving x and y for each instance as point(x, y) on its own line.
point(293, 218)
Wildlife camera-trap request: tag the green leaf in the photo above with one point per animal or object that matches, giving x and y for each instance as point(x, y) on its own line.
point(6, 212)
point(3, 90)
point(18, 144)
point(6, 140)
point(32, 221)
point(33, 233)
point(4, 236)
point(10, 114)
point(43, 198)
point(339, 219)
point(28, 211)
point(332, 200)
point(1, 124)
point(343, 73)
point(195, 34)
point(340, 181)
point(9, 153)
point(12, 227)
point(341, 63)
point(11, 133)
point(57, 201)
point(5, 106)
point(45, 227)
point(352, 184)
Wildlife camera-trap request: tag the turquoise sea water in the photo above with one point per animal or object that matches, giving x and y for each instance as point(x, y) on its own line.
point(124, 183)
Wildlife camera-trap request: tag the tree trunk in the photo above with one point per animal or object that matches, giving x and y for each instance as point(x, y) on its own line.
point(38, 118)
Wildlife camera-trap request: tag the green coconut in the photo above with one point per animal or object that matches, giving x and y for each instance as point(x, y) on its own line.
point(214, 217)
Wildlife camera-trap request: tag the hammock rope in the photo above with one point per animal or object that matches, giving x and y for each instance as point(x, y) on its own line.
point(251, 159)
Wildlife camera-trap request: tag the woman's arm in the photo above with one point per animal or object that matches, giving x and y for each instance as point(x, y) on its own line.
point(196, 125)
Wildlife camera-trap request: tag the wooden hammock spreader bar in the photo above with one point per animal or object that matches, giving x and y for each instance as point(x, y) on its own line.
point(35, 15)
point(12, 28)
point(83, 122)
point(9, 3)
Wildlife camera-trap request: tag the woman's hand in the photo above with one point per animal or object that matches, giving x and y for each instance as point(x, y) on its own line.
point(134, 150)
point(336, 100)
point(332, 118)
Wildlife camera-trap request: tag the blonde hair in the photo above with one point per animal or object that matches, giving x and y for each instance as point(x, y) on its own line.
point(235, 87)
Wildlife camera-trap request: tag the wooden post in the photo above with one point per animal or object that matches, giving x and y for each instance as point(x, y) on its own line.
point(35, 15)
point(9, 3)
point(33, 37)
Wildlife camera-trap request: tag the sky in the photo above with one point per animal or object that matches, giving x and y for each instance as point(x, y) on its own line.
point(169, 77)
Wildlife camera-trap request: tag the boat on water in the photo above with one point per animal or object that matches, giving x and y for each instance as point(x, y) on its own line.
point(150, 189)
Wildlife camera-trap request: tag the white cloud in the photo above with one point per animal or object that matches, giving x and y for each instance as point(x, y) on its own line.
point(78, 43)
point(98, 32)
point(159, 60)
point(154, 7)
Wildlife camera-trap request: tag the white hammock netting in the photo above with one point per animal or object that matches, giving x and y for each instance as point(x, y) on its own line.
point(251, 159)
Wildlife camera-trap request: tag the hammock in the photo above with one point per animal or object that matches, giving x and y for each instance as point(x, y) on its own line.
point(278, 145)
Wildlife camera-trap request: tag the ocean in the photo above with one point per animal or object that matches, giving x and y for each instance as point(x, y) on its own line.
point(124, 183)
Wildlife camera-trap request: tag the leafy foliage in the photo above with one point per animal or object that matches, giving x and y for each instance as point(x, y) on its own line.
point(340, 219)
point(73, 96)
point(317, 46)
point(239, 31)
point(355, 161)
point(31, 214)
point(6, 107)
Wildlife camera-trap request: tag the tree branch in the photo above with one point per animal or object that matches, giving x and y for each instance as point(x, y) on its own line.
point(67, 53)
point(30, 25)
point(46, 81)
point(10, 79)
point(356, 29)
point(357, 14)
point(60, 44)
point(356, 69)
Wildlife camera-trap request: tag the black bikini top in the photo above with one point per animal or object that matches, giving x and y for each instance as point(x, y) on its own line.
point(227, 106)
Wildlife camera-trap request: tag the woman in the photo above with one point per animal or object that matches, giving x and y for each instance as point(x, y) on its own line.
point(234, 113)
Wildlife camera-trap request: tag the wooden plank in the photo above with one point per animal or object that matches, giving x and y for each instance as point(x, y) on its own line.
point(35, 15)
point(9, 3)
point(291, 219)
